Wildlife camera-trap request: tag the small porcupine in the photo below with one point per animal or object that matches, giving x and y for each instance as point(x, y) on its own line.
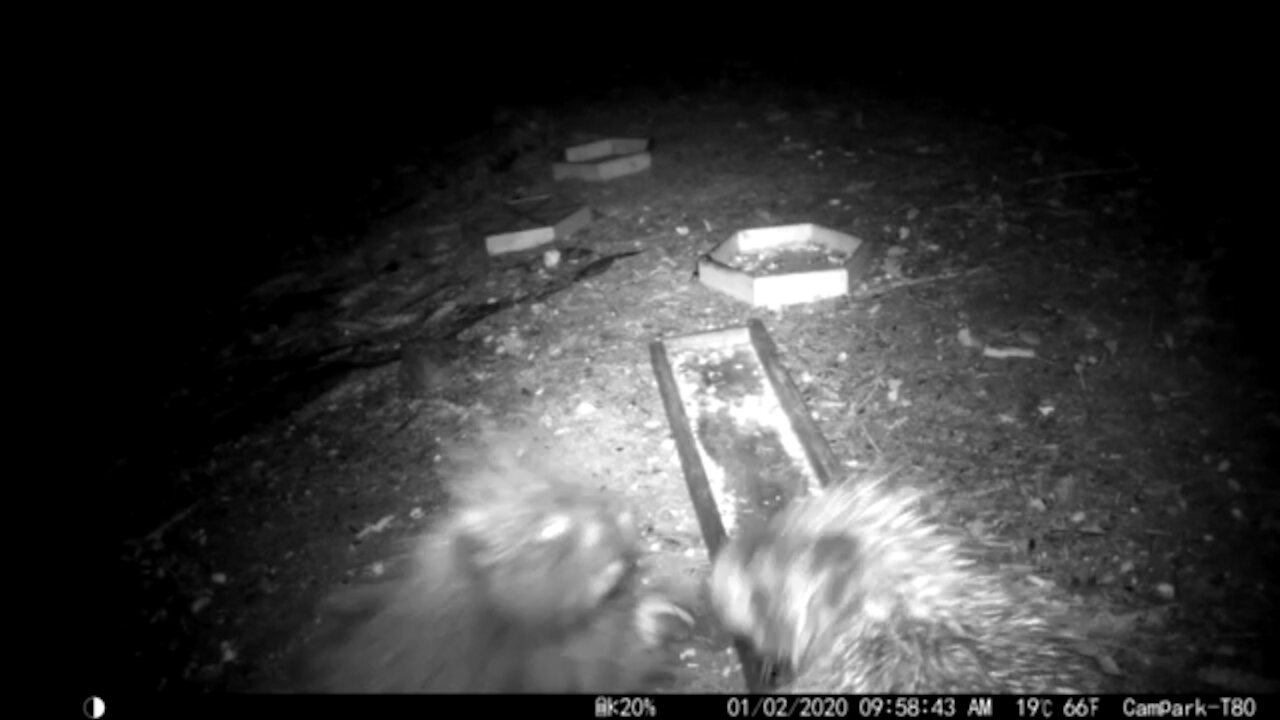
point(531, 584)
point(858, 590)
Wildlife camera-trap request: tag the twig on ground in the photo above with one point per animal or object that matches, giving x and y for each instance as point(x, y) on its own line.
point(1080, 174)
point(155, 535)
point(910, 282)
point(870, 440)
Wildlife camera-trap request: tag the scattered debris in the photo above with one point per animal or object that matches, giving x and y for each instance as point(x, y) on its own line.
point(1007, 353)
point(375, 528)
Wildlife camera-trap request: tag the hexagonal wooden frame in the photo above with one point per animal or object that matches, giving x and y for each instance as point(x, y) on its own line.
point(717, 268)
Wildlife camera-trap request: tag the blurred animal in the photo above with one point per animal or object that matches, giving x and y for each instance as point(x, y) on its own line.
point(531, 584)
point(859, 590)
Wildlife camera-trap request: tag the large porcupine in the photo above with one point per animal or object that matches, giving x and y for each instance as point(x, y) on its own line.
point(858, 590)
point(530, 585)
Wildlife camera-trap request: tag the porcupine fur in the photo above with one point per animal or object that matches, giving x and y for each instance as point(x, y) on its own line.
point(859, 590)
point(531, 584)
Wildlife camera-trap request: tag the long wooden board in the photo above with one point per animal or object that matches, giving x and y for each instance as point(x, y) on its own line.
point(747, 443)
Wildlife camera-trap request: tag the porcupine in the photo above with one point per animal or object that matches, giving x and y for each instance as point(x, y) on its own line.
point(531, 584)
point(860, 590)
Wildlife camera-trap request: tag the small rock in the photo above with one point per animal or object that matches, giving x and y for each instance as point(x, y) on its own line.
point(423, 370)
point(1065, 489)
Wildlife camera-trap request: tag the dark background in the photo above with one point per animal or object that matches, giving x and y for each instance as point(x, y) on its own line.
point(242, 150)
point(223, 160)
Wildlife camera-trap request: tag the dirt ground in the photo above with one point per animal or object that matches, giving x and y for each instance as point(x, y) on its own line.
point(1126, 461)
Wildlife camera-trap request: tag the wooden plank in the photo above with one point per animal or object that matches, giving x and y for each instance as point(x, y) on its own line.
point(695, 476)
point(821, 459)
point(735, 446)
point(756, 672)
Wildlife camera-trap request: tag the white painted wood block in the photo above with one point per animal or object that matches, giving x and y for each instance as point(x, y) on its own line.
point(604, 160)
point(534, 222)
